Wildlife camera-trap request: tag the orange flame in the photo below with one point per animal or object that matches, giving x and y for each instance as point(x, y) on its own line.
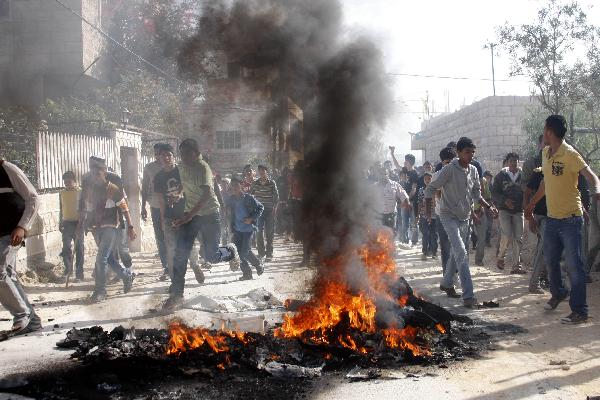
point(334, 300)
point(183, 338)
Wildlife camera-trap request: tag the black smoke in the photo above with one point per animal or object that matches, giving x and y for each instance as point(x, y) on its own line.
point(340, 83)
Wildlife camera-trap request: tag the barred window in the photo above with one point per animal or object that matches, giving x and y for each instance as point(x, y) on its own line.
point(229, 140)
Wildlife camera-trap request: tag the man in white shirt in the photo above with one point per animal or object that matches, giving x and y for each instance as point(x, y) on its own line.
point(387, 195)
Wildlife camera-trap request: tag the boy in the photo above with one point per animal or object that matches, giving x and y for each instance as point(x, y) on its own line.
point(389, 196)
point(68, 224)
point(266, 193)
point(459, 183)
point(245, 212)
point(427, 225)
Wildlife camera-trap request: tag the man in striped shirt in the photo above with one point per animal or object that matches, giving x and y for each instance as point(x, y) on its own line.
point(265, 191)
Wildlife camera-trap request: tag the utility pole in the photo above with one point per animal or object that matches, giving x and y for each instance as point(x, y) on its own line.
point(493, 72)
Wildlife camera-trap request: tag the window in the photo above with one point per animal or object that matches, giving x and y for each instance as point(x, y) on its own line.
point(229, 140)
point(4, 8)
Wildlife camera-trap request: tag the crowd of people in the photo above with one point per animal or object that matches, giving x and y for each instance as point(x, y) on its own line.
point(455, 204)
point(201, 219)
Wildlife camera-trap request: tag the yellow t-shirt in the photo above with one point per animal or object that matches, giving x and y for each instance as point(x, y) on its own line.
point(69, 202)
point(561, 174)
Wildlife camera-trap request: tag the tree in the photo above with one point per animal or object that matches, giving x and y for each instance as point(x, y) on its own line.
point(544, 50)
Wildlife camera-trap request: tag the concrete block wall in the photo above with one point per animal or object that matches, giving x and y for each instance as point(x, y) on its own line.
point(494, 124)
point(44, 240)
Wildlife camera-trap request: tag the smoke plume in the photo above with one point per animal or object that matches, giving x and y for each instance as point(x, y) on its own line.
point(340, 84)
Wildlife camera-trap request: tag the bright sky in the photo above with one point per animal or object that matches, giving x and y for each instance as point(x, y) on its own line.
point(442, 38)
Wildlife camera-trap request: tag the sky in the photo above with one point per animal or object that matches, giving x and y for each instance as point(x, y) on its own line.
point(441, 38)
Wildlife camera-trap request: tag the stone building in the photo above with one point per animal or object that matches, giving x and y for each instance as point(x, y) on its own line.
point(495, 124)
point(240, 122)
point(46, 51)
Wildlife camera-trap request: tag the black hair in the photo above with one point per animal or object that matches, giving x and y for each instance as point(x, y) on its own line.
point(488, 173)
point(452, 145)
point(426, 163)
point(69, 175)
point(247, 167)
point(511, 155)
point(157, 146)
point(465, 143)
point(263, 167)
point(557, 124)
point(540, 139)
point(235, 180)
point(191, 144)
point(447, 153)
point(427, 174)
point(410, 158)
point(166, 147)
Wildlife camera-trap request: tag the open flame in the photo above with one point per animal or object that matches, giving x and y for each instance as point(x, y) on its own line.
point(335, 300)
point(340, 313)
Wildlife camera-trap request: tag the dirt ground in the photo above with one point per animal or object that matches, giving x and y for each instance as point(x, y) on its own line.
point(550, 361)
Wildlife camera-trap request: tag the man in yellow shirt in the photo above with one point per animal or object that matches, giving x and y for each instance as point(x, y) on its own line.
point(561, 166)
point(68, 225)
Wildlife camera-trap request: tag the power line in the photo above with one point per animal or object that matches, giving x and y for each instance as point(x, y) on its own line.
point(106, 35)
point(462, 78)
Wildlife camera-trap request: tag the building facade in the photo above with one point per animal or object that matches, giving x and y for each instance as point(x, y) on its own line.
point(495, 124)
point(239, 122)
point(46, 51)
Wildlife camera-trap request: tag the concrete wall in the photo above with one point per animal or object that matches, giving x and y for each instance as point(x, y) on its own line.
point(44, 240)
point(44, 49)
point(495, 124)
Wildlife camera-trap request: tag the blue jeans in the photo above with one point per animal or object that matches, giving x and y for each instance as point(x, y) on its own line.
point(565, 234)
point(12, 295)
point(429, 232)
point(458, 235)
point(444, 245)
point(266, 232)
point(159, 236)
point(538, 258)
point(69, 237)
point(408, 226)
point(242, 241)
point(105, 239)
point(209, 226)
point(120, 251)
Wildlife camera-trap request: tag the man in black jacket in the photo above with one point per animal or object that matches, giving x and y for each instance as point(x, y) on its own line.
point(508, 195)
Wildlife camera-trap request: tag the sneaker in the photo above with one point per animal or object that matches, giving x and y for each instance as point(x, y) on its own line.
point(206, 265)
point(470, 303)
point(423, 257)
point(500, 264)
point(554, 302)
point(260, 268)
point(128, 282)
point(574, 319)
point(198, 274)
point(245, 278)
point(434, 257)
point(97, 297)
point(536, 290)
point(172, 303)
point(164, 276)
point(28, 324)
point(450, 292)
point(479, 263)
point(518, 271)
point(234, 262)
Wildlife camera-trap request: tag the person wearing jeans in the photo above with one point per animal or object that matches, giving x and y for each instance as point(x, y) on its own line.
point(460, 187)
point(508, 195)
point(68, 224)
point(447, 154)
point(245, 211)
point(561, 166)
point(537, 225)
point(149, 196)
point(427, 225)
point(19, 202)
point(266, 193)
point(201, 216)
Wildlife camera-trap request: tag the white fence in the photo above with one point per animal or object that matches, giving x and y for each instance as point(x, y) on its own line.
point(61, 152)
